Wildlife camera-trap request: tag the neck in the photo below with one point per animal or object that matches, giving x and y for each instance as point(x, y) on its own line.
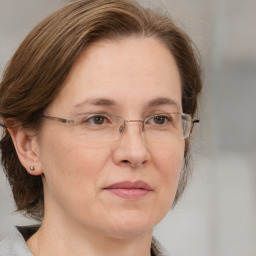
point(56, 238)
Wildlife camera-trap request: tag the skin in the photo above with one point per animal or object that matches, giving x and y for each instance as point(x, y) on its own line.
point(81, 217)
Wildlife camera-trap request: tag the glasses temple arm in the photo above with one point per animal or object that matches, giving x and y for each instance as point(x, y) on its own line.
point(196, 121)
point(58, 119)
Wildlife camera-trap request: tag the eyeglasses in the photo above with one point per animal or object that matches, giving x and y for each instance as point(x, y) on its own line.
point(107, 127)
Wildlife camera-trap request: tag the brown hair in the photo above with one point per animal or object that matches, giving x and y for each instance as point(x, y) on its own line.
point(42, 62)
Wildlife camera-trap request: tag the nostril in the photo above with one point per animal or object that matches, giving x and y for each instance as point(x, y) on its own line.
point(133, 164)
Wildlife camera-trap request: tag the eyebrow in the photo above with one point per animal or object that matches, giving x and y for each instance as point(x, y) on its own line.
point(163, 101)
point(111, 103)
point(98, 102)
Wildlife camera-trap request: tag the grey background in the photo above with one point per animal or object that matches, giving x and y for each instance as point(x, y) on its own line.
point(217, 215)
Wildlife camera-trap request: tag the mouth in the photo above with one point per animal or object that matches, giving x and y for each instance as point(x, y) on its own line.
point(130, 190)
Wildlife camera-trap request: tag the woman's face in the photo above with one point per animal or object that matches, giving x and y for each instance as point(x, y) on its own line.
point(97, 186)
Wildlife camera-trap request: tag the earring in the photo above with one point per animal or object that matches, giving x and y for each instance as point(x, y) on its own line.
point(32, 168)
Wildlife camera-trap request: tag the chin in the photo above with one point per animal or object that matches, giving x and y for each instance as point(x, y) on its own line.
point(130, 232)
point(132, 225)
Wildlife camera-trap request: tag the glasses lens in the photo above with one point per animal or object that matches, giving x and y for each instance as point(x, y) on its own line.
point(98, 127)
point(167, 127)
point(186, 125)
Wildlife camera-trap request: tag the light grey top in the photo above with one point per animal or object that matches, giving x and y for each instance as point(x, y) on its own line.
point(15, 245)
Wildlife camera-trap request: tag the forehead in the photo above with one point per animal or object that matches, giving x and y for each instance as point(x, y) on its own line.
point(127, 70)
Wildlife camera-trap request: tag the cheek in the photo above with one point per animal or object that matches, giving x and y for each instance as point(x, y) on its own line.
point(68, 163)
point(169, 163)
point(169, 160)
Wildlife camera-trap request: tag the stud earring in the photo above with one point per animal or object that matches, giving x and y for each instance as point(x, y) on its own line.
point(32, 168)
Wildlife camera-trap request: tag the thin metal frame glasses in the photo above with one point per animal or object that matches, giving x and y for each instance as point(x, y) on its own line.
point(108, 127)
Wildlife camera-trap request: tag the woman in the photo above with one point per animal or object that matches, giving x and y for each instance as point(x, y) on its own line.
point(96, 140)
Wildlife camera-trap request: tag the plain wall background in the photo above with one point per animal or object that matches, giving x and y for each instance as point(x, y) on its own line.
point(217, 214)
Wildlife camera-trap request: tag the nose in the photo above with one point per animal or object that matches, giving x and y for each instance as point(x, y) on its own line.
point(122, 127)
point(131, 150)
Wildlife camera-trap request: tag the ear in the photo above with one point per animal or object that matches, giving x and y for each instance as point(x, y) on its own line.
point(25, 143)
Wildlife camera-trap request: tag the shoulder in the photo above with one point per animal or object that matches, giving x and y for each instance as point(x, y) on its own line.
point(14, 244)
point(157, 249)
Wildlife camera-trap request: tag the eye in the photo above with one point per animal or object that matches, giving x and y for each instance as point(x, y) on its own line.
point(97, 120)
point(158, 120)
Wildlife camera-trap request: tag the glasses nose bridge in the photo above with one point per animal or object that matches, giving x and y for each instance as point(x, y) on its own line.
point(122, 127)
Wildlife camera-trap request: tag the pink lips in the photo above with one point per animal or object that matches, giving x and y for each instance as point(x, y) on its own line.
point(130, 190)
